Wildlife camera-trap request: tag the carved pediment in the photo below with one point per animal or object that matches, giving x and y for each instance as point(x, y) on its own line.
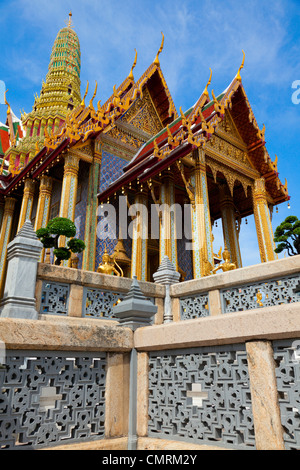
point(142, 115)
point(228, 143)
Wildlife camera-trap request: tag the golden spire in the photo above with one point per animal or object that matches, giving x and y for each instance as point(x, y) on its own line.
point(208, 83)
point(130, 76)
point(238, 75)
point(156, 61)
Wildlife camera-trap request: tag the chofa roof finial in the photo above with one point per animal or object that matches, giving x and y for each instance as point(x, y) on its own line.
point(238, 75)
point(156, 60)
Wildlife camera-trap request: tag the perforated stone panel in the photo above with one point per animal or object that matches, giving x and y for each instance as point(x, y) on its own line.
point(194, 307)
point(201, 395)
point(55, 298)
point(286, 354)
point(51, 397)
point(98, 303)
point(261, 294)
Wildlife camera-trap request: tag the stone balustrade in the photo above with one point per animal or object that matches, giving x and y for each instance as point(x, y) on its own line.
point(224, 374)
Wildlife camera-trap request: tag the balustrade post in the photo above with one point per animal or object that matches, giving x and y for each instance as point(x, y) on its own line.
point(23, 254)
point(167, 275)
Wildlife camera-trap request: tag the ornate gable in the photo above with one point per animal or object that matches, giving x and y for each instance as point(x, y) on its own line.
point(227, 144)
point(143, 116)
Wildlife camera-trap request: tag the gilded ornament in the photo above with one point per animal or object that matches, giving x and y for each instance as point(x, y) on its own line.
point(107, 265)
point(130, 76)
point(227, 265)
point(156, 60)
point(238, 76)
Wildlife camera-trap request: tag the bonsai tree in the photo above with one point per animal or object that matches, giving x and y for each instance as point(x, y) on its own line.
point(56, 228)
point(287, 234)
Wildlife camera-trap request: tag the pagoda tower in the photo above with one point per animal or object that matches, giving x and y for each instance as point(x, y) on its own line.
point(59, 94)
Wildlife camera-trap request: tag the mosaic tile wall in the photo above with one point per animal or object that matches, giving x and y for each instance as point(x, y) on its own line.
point(185, 260)
point(111, 169)
point(80, 208)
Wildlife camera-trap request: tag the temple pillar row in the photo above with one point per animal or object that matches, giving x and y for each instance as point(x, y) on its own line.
point(201, 224)
point(69, 187)
point(44, 205)
point(168, 239)
point(263, 223)
point(27, 202)
point(230, 233)
point(5, 234)
point(139, 224)
point(69, 193)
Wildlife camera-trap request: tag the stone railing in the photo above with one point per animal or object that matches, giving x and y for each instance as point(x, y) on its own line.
point(63, 382)
point(251, 288)
point(226, 376)
point(73, 293)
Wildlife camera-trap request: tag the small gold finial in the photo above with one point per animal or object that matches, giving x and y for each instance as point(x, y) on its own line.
point(5, 101)
point(86, 92)
point(214, 97)
point(130, 76)
point(207, 85)
point(156, 60)
point(238, 76)
point(69, 24)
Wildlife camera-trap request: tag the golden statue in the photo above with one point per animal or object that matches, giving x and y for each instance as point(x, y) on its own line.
point(108, 265)
point(227, 265)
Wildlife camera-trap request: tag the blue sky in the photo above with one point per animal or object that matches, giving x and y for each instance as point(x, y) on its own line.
point(199, 34)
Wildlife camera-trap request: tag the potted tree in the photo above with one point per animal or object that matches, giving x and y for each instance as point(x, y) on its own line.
point(50, 237)
point(287, 234)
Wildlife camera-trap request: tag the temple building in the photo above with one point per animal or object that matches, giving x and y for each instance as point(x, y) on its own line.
point(136, 152)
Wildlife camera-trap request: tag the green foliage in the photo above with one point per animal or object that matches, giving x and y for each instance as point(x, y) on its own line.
point(61, 226)
point(61, 254)
point(287, 234)
point(76, 245)
point(49, 236)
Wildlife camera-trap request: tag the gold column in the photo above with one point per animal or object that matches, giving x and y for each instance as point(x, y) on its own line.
point(140, 238)
point(203, 260)
point(27, 202)
point(5, 234)
point(230, 232)
point(69, 192)
point(167, 239)
point(44, 205)
point(263, 222)
point(69, 187)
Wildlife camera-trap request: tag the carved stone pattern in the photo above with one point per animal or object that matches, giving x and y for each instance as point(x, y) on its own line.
point(55, 297)
point(230, 175)
point(261, 294)
point(194, 307)
point(78, 411)
point(227, 149)
point(98, 303)
point(287, 359)
point(125, 138)
point(225, 414)
point(143, 116)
